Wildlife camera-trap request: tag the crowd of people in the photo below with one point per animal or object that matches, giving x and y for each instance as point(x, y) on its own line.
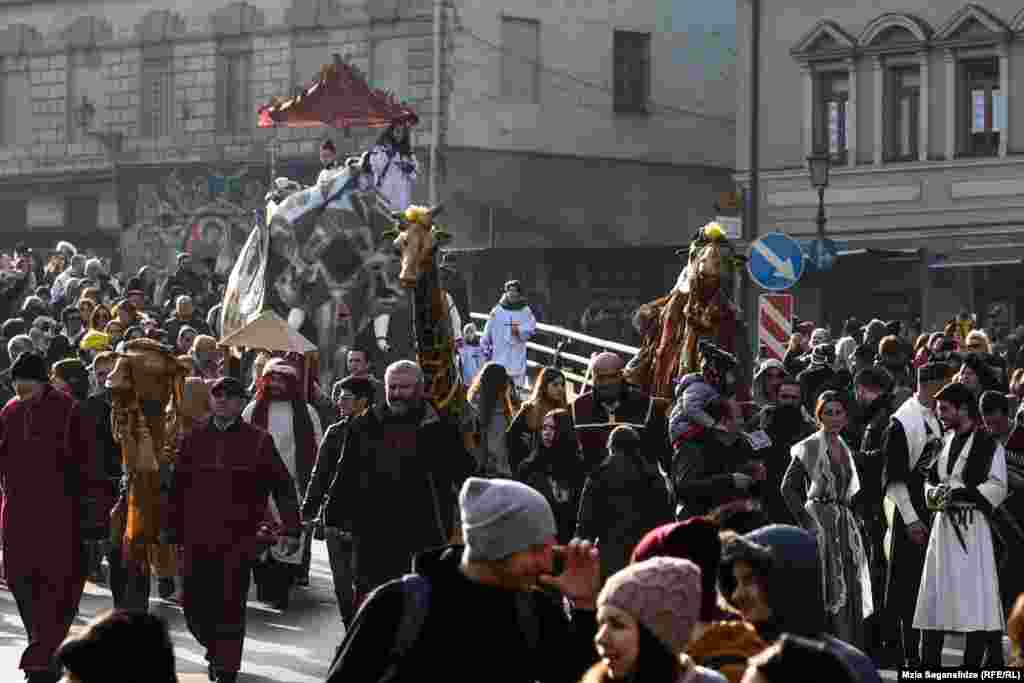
point(819, 532)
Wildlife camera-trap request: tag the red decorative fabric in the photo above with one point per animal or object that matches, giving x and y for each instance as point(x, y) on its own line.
point(339, 97)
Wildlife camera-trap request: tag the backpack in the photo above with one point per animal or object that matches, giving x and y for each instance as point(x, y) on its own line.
point(416, 597)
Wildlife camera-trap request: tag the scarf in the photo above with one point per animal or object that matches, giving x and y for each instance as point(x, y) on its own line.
point(509, 306)
point(302, 424)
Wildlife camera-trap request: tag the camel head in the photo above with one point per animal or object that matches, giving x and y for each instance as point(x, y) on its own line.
point(711, 259)
point(416, 238)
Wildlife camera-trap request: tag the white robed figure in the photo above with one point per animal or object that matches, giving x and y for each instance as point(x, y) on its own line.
point(960, 586)
point(510, 325)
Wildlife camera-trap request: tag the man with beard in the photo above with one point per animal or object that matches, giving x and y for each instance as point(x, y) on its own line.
point(400, 458)
point(871, 388)
point(909, 445)
point(965, 483)
point(54, 500)
point(785, 423)
point(611, 402)
point(281, 408)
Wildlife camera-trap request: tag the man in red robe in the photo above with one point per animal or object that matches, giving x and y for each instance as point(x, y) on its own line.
point(225, 471)
point(612, 402)
point(55, 500)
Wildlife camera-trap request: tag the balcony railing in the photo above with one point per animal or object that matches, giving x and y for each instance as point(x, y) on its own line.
point(554, 351)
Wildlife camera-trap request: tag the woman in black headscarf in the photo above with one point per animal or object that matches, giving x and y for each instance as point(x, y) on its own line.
point(556, 469)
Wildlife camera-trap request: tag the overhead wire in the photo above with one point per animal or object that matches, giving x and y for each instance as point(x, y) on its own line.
point(461, 29)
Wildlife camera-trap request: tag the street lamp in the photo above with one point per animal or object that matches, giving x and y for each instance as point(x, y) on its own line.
point(818, 167)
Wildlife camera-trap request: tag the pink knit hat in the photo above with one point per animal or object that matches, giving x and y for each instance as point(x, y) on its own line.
point(663, 594)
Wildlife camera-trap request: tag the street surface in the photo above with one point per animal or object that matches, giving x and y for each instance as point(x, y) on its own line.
point(291, 647)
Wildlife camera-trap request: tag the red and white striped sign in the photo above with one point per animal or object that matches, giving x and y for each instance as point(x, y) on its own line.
point(775, 323)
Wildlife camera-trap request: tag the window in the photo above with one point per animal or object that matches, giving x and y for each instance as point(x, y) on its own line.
point(520, 59)
point(979, 123)
point(81, 214)
point(903, 107)
point(15, 213)
point(16, 114)
point(157, 98)
point(831, 119)
point(234, 113)
point(632, 57)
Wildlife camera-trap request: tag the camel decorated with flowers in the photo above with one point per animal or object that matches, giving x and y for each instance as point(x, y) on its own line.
point(697, 308)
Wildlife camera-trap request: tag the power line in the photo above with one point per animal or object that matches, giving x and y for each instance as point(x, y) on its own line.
point(461, 29)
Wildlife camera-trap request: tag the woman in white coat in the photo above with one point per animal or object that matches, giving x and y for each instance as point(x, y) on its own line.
point(819, 488)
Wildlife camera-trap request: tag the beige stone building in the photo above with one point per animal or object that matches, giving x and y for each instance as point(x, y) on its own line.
point(919, 105)
point(129, 127)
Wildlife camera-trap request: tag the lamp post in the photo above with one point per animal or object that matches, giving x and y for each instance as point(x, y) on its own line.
point(818, 167)
point(112, 145)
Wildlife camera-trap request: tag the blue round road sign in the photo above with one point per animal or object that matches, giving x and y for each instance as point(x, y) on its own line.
point(775, 261)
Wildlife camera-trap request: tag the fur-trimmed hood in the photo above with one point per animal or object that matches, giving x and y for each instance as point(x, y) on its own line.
point(788, 557)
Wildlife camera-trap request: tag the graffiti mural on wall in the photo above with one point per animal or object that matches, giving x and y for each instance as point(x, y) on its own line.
point(206, 211)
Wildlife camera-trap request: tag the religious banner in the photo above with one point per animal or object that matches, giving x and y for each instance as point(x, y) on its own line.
point(247, 285)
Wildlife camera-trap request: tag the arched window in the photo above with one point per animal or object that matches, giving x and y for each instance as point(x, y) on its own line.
point(898, 47)
point(827, 56)
point(975, 48)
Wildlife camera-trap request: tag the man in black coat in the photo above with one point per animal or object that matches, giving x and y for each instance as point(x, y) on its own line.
point(478, 610)
point(322, 505)
point(871, 387)
point(400, 461)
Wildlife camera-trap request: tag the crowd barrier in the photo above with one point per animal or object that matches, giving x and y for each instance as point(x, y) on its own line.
point(554, 352)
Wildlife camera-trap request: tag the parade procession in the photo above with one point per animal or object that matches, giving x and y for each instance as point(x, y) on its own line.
point(305, 421)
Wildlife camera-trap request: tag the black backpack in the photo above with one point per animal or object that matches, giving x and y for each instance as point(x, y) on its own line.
point(416, 594)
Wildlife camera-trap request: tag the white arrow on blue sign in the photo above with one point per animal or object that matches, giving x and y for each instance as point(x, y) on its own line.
point(775, 261)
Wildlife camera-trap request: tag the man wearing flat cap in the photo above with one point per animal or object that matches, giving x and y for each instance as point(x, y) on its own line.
point(909, 445)
point(55, 499)
point(225, 471)
point(960, 587)
point(355, 396)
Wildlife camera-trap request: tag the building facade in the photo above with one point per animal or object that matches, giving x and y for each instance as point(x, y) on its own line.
point(130, 128)
point(919, 106)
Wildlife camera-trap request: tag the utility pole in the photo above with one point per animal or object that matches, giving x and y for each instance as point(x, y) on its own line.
point(751, 223)
point(435, 126)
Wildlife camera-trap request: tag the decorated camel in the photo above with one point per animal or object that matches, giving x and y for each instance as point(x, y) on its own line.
point(697, 308)
point(147, 385)
point(417, 239)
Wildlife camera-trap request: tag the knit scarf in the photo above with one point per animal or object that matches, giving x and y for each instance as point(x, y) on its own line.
point(302, 424)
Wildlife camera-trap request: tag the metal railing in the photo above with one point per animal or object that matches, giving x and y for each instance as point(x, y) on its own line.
point(562, 337)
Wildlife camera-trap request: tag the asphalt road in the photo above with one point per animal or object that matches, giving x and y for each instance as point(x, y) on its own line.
point(295, 646)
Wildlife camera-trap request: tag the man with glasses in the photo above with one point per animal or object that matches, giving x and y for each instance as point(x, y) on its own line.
point(353, 396)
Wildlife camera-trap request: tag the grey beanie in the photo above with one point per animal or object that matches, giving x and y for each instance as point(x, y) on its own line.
point(501, 517)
